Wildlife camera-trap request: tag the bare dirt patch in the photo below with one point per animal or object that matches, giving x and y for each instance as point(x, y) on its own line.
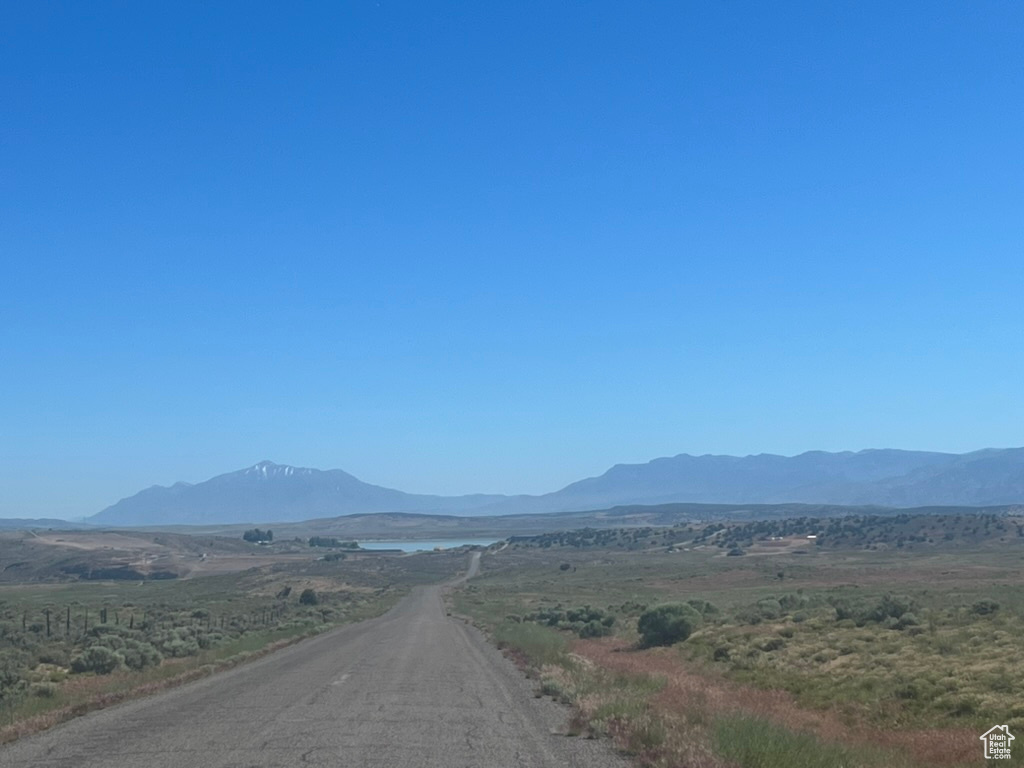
point(220, 564)
point(90, 555)
point(100, 541)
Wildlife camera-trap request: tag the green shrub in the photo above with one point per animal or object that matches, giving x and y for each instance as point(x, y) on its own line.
point(44, 690)
point(790, 602)
point(703, 607)
point(12, 682)
point(769, 608)
point(668, 624)
point(594, 629)
point(179, 648)
point(749, 615)
point(210, 639)
point(907, 620)
point(98, 659)
point(53, 655)
point(585, 621)
point(113, 642)
point(138, 655)
point(890, 607)
point(177, 642)
point(985, 607)
point(847, 609)
point(308, 597)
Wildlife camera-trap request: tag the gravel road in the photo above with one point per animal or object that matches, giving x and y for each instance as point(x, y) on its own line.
point(410, 689)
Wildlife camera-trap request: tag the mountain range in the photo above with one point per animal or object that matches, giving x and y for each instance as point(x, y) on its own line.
point(269, 492)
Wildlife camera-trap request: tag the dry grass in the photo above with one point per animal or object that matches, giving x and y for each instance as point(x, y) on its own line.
point(808, 685)
point(694, 697)
point(938, 575)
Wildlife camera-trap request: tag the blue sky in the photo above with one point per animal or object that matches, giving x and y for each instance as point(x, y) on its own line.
point(455, 247)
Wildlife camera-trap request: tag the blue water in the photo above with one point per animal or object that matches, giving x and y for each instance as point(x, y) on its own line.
point(415, 546)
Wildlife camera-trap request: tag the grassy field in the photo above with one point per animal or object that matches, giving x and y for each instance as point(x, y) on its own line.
point(67, 647)
point(879, 642)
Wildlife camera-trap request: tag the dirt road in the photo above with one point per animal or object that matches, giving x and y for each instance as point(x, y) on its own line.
point(411, 689)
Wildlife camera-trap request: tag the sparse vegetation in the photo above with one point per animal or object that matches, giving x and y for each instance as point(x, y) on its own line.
point(864, 653)
point(585, 621)
point(118, 635)
point(753, 742)
point(865, 531)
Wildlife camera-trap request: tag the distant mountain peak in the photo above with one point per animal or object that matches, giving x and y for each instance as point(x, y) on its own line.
point(268, 469)
point(263, 466)
point(270, 492)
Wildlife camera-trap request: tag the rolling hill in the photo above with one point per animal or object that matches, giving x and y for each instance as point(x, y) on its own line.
point(273, 492)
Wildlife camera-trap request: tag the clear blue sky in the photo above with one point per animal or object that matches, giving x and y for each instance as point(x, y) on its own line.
point(462, 247)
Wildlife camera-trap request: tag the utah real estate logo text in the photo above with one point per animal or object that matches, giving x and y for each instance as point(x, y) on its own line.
point(997, 742)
